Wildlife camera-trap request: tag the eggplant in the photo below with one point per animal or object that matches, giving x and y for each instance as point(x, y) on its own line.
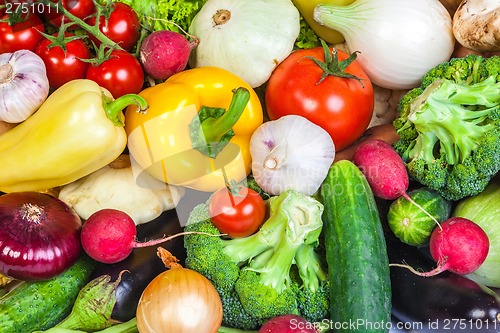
point(143, 265)
point(447, 302)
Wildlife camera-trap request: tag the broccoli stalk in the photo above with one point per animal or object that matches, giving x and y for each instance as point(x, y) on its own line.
point(449, 127)
point(294, 220)
point(278, 270)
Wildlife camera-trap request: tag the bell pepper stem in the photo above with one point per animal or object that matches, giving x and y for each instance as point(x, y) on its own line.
point(114, 108)
point(214, 128)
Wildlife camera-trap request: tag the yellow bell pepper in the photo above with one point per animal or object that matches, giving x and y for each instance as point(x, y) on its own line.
point(76, 131)
point(169, 143)
point(306, 9)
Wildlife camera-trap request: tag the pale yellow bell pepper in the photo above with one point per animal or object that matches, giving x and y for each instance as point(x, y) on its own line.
point(76, 131)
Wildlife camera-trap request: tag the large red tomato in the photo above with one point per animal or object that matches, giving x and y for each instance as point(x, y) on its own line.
point(122, 27)
point(121, 74)
point(64, 65)
point(342, 106)
point(23, 35)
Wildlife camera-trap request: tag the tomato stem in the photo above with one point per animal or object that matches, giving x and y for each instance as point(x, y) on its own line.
point(332, 66)
point(94, 30)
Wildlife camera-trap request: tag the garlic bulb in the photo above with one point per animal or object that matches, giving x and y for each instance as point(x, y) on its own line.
point(24, 85)
point(246, 37)
point(291, 153)
point(115, 186)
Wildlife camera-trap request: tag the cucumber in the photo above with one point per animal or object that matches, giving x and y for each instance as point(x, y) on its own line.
point(409, 223)
point(39, 305)
point(356, 253)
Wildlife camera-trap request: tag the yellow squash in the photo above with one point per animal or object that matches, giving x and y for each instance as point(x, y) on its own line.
point(306, 9)
point(169, 143)
point(76, 131)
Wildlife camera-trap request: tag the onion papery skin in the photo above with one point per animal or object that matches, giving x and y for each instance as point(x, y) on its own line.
point(179, 300)
point(398, 40)
point(39, 236)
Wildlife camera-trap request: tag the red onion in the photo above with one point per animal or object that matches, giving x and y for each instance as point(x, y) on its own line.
point(39, 236)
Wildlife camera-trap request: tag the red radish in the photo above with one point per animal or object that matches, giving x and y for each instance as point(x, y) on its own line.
point(383, 168)
point(288, 323)
point(459, 246)
point(109, 236)
point(164, 53)
point(385, 171)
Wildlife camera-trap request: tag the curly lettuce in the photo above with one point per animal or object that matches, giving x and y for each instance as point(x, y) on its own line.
point(173, 15)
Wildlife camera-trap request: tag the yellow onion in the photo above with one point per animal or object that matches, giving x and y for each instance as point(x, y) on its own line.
point(179, 300)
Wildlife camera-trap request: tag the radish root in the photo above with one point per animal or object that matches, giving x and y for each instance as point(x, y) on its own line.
point(407, 197)
point(166, 239)
point(441, 267)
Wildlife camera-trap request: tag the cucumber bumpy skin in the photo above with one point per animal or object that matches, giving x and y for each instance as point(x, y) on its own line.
point(356, 253)
point(39, 305)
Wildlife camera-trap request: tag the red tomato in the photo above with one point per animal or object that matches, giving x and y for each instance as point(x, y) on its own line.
point(237, 215)
point(22, 35)
point(79, 8)
point(341, 106)
point(64, 66)
point(121, 74)
point(123, 26)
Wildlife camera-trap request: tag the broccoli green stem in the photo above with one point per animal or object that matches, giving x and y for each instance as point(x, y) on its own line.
point(246, 248)
point(451, 118)
point(276, 272)
point(310, 268)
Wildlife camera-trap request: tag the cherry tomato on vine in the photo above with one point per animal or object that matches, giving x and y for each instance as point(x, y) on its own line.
point(238, 215)
point(22, 35)
point(121, 74)
point(342, 106)
point(123, 26)
point(64, 66)
point(79, 8)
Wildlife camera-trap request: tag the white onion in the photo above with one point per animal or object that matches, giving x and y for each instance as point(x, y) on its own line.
point(291, 153)
point(24, 85)
point(398, 40)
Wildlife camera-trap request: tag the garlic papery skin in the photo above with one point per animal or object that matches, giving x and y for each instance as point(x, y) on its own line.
point(399, 40)
point(116, 186)
point(291, 153)
point(249, 38)
point(24, 85)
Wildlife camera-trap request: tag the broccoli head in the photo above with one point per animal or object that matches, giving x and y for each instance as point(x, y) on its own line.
point(449, 126)
point(275, 271)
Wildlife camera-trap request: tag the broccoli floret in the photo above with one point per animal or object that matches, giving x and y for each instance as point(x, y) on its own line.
point(235, 315)
point(264, 301)
point(254, 275)
point(449, 127)
point(204, 253)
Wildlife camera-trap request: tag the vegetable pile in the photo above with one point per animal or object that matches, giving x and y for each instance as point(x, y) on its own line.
point(269, 166)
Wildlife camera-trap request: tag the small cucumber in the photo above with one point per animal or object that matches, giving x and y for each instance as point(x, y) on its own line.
point(39, 305)
point(356, 252)
point(409, 223)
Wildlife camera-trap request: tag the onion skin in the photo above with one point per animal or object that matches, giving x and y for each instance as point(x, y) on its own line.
point(39, 236)
point(179, 300)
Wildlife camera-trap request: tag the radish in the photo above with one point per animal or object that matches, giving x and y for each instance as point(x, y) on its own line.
point(288, 323)
point(383, 168)
point(109, 236)
point(385, 171)
point(164, 53)
point(459, 246)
